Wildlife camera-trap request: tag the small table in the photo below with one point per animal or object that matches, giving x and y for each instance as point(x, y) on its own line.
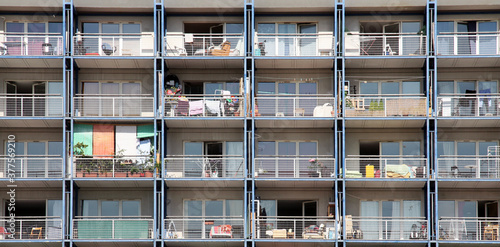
point(471, 167)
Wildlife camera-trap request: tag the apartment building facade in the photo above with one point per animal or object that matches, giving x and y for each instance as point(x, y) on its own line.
point(249, 123)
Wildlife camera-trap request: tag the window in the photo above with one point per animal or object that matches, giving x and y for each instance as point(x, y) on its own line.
point(38, 166)
point(111, 208)
point(213, 159)
point(287, 44)
point(466, 97)
point(35, 38)
point(106, 38)
point(274, 101)
point(107, 98)
point(286, 158)
point(474, 37)
point(391, 88)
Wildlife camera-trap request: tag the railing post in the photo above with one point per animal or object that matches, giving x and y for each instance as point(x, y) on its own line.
point(112, 229)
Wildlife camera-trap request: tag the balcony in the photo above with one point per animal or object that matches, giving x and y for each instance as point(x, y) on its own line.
point(113, 166)
point(379, 106)
point(468, 106)
point(389, 44)
point(194, 227)
point(386, 228)
point(30, 44)
point(478, 167)
point(204, 45)
point(45, 228)
point(116, 45)
point(31, 105)
point(210, 167)
point(113, 227)
point(89, 105)
point(468, 228)
point(209, 105)
point(296, 228)
point(31, 166)
point(386, 167)
point(290, 45)
point(294, 167)
point(297, 106)
point(467, 43)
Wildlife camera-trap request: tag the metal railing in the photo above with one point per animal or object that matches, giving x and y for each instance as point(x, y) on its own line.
point(31, 166)
point(294, 167)
point(206, 105)
point(468, 106)
point(294, 106)
point(31, 105)
point(206, 166)
point(201, 45)
point(113, 44)
point(387, 228)
point(197, 227)
point(21, 227)
point(390, 44)
point(467, 43)
point(114, 105)
point(296, 228)
point(294, 45)
point(385, 106)
point(468, 228)
point(468, 167)
point(114, 166)
point(30, 44)
point(113, 227)
point(386, 167)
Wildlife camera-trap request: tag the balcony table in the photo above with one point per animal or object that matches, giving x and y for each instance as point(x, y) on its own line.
point(491, 232)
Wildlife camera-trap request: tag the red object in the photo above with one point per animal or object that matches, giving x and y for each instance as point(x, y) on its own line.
point(377, 173)
point(104, 140)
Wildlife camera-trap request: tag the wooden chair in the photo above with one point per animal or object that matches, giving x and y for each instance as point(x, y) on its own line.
point(36, 233)
point(224, 50)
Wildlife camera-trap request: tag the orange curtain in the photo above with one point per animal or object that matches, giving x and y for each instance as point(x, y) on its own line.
point(104, 139)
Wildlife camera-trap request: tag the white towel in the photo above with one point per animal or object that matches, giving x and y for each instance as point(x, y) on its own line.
point(195, 107)
point(213, 107)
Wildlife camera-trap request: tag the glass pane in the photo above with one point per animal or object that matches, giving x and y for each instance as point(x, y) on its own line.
point(445, 87)
point(54, 227)
point(266, 148)
point(446, 209)
point(131, 28)
point(110, 28)
point(368, 88)
point(411, 148)
point(194, 162)
point(36, 166)
point(466, 41)
point(414, 44)
point(266, 88)
point(286, 105)
point(488, 41)
point(307, 88)
point(211, 87)
point(36, 27)
point(411, 209)
point(89, 208)
point(266, 28)
point(234, 208)
point(446, 148)
point(131, 88)
point(445, 26)
point(193, 228)
point(214, 208)
point(90, 27)
point(286, 152)
point(234, 164)
point(269, 206)
point(235, 27)
point(110, 88)
point(487, 87)
point(391, 229)
point(466, 209)
point(287, 148)
point(446, 40)
point(233, 87)
point(15, 27)
point(131, 208)
point(390, 87)
point(390, 148)
point(411, 87)
point(55, 27)
point(369, 228)
point(110, 208)
point(308, 148)
point(307, 44)
point(411, 27)
point(466, 148)
point(286, 43)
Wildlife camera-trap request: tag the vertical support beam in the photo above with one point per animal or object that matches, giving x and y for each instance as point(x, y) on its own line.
point(339, 27)
point(248, 27)
point(159, 20)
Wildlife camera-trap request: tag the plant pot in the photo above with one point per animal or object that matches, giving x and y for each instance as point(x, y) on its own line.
point(92, 175)
point(120, 174)
point(148, 174)
point(80, 174)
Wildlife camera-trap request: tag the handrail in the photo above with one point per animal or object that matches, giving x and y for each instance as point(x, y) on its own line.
point(112, 95)
point(32, 94)
point(114, 34)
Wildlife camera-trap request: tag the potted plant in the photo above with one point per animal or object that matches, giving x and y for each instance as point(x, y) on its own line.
point(316, 167)
point(134, 171)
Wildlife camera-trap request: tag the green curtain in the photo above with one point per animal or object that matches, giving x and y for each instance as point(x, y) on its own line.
point(144, 131)
point(83, 133)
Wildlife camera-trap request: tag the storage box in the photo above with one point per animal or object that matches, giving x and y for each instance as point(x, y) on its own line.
point(370, 171)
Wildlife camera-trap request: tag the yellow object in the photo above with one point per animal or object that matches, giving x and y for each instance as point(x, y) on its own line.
point(370, 171)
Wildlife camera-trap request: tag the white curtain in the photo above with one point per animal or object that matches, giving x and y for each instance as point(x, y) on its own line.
point(411, 209)
point(369, 227)
point(126, 139)
point(234, 165)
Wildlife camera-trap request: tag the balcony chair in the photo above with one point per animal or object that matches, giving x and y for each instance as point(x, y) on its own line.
point(388, 51)
point(36, 233)
point(224, 49)
point(107, 49)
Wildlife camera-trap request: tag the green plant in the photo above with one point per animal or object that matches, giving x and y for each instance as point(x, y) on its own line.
point(79, 148)
point(134, 169)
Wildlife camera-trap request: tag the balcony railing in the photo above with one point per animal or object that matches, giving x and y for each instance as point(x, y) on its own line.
point(469, 106)
point(114, 105)
point(386, 167)
point(208, 105)
point(387, 228)
point(201, 45)
point(113, 227)
point(31, 105)
point(294, 106)
point(468, 167)
point(294, 167)
point(371, 106)
point(206, 166)
point(468, 43)
point(468, 228)
point(30, 228)
point(113, 44)
point(389, 44)
point(296, 228)
point(31, 166)
point(114, 166)
point(194, 227)
point(31, 44)
point(295, 45)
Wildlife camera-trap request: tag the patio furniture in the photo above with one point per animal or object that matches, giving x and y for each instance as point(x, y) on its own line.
point(224, 49)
